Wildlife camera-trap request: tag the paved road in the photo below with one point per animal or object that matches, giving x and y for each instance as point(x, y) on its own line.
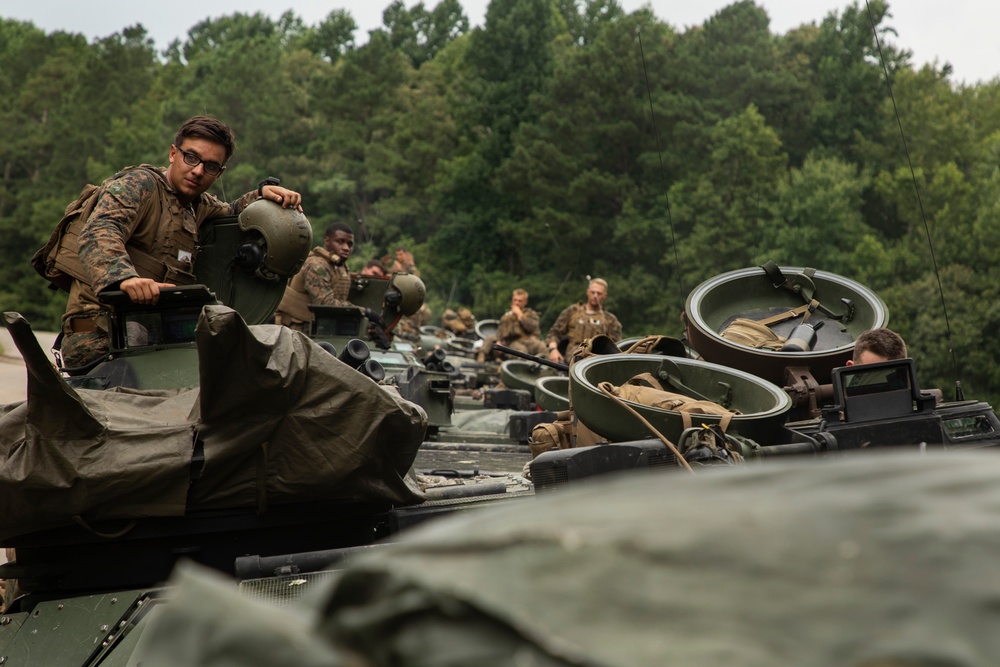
point(13, 379)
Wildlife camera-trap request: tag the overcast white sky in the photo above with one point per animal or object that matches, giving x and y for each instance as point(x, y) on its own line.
point(961, 32)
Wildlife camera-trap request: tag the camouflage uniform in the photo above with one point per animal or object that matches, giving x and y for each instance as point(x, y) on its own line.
point(323, 280)
point(518, 334)
point(408, 326)
point(404, 267)
point(138, 228)
point(577, 325)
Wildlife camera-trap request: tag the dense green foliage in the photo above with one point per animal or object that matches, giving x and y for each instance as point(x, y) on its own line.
point(563, 138)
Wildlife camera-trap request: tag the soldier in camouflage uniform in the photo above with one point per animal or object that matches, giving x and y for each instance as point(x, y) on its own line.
point(582, 321)
point(142, 234)
point(518, 329)
point(409, 326)
point(323, 280)
point(404, 262)
point(374, 269)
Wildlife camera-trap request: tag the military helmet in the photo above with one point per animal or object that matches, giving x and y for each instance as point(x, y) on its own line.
point(278, 240)
point(405, 293)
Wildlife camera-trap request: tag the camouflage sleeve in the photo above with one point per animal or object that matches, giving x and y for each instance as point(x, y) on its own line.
point(529, 321)
point(117, 214)
point(323, 283)
point(614, 328)
point(506, 327)
point(211, 206)
point(561, 326)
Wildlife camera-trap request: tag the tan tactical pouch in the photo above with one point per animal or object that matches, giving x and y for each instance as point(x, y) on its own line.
point(750, 333)
point(553, 435)
point(646, 390)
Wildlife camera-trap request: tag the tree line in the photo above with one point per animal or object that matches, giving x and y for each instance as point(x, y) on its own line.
point(561, 139)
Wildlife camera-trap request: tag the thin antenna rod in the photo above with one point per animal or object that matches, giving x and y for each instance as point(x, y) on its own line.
point(920, 205)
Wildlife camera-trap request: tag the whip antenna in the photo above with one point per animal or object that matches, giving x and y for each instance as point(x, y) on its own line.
point(920, 205)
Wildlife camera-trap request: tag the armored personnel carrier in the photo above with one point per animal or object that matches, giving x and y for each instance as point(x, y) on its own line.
point(205, 434)
point(254, 450)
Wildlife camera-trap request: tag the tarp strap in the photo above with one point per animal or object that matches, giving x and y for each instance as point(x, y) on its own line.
point(80, 521)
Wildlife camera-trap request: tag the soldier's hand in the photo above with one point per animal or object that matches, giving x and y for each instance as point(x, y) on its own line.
point(555, 356)
point(517, 311)
point(143, 290)
point(287, 198)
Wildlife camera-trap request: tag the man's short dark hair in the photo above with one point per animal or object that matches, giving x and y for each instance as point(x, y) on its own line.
point(210, 129)
point(883, 342)
point(338, 227)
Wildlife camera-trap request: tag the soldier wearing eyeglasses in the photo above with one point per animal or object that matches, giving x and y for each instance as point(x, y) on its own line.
point(142, 234)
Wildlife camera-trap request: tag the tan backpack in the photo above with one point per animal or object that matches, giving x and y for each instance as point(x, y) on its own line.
point(751, 333)
point(647, 390)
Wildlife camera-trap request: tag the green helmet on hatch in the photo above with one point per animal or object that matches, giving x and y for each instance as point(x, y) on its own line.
point(278, 240)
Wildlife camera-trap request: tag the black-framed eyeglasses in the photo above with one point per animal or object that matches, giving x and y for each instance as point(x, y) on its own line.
point(193, 160)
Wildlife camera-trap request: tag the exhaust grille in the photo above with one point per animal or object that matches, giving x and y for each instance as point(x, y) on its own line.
point(281, 591)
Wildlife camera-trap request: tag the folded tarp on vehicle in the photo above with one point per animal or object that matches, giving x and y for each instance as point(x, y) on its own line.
point(277, 418)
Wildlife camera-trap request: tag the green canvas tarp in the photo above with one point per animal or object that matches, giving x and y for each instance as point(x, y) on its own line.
point(881, 560)
point(277, 417)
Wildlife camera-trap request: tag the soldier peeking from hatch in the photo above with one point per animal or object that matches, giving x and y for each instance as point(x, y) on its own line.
point(322, 281)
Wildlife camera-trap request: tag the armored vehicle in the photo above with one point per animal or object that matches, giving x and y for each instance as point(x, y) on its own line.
point(205, 434)
point(774, 343)
point(252, 449)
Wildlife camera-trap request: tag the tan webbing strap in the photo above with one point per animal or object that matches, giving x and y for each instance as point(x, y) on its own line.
point(648, 380)
point(789, 314)
point(688, 422)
